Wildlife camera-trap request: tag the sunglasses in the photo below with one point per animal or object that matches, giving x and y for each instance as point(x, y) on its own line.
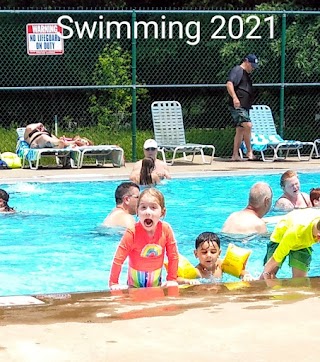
point(150, 149)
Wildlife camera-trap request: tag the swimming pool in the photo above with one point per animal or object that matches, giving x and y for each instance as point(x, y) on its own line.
point(55, 244)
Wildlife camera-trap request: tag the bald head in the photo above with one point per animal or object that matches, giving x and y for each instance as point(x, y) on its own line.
point(260, 196)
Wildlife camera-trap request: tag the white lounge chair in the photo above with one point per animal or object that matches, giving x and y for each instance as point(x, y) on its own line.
point(102, 154)
point(265, 138)
point(316, 143)
point(33, 155)
point(170, 135)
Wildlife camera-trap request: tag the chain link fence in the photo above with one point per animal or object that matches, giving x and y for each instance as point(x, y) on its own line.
point(116, 63)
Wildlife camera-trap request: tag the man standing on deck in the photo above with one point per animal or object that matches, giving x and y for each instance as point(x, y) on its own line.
point(240, 90)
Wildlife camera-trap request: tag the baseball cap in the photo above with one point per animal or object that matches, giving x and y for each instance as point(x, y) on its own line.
point(251, 58)
point(150, 143)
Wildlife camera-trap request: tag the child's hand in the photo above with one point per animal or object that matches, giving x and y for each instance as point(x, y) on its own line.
point(118, 287)
point(247, 277)
point(192, 281)
point(170, 283)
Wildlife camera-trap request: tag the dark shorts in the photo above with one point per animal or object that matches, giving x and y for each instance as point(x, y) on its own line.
point(299, 259)
point(239, 115)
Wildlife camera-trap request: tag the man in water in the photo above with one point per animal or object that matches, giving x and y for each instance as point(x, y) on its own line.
point(249, 220)
point(126, 196)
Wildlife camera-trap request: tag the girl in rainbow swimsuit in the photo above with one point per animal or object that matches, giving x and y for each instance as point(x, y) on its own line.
point(146, 244)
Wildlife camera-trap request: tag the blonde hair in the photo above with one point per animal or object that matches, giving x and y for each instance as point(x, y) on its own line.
point(286, 175)
point(154, 193)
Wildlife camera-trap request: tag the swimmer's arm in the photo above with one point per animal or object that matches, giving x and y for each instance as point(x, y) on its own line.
point(166, 172)
point(135, 173)
point(283, 204)
point(120, 256)
point(286, 243)
point(307, 199)
point(172, 255)
point(155, 178)
point(270, 269)
point(283, 249)
point(163, 175)
point(262, 227)
point(118, 286)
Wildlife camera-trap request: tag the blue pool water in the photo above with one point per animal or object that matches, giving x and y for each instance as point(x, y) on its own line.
point(55, 244)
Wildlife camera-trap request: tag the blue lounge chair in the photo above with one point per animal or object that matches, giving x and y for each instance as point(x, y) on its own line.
point(32, 156)
point(265, 139)
point(316, 143)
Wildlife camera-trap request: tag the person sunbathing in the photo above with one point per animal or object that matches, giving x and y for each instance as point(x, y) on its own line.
point(39, 137)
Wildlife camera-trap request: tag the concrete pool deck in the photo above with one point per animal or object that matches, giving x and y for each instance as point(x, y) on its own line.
point(179, 169)
point(235, 321)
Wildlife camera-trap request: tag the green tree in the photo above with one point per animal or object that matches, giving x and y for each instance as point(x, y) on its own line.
point(111, 106)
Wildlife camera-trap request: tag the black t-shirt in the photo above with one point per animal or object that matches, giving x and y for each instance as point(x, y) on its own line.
point(242, 85)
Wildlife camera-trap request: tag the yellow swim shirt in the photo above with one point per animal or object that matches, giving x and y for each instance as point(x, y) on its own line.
point(294, 232)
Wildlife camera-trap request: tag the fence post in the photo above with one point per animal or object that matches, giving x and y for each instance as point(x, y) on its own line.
point(134, 89)
point(282, 70)
point(56, 125)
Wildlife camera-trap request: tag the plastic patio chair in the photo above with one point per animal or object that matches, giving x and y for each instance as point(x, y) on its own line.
point(170, 134)
point(265, 137)
point(316, 143)
point(32, 156)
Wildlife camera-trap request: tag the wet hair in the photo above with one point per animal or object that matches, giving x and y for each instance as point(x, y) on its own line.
point(258, 193)
point(154, 193)
point(286, 175)
point(5, 197)
point(124, 189)
point(207, 236)
point(314, 194)
point(146, 169)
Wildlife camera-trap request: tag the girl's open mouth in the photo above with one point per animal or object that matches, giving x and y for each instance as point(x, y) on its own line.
point(148, 222)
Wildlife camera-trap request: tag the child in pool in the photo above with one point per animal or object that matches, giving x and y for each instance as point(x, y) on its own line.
point(146, 244)
point(315, 197)
point(294, 235)
point(4, 198)
point(207, 250)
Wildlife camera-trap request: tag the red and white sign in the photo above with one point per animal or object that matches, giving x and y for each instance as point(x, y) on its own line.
point(44, 39)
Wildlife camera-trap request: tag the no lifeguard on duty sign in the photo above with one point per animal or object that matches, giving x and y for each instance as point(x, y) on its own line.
point(44, 39)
